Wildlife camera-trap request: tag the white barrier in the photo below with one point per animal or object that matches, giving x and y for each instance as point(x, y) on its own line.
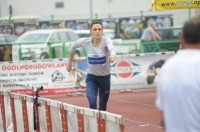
point(130, 71)
point(18, 115)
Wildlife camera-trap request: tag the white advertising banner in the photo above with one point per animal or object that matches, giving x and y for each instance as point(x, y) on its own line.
point(127, 72)
point(28, 74)
point(130, 71)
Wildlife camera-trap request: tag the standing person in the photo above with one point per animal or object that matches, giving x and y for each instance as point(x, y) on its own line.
point(178, 90)
point(61, 25)
point(149, 34)
point(100, 53)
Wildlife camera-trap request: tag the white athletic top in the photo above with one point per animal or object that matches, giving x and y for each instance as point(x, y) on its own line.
point(97, 57)
point(146, 36)
point(178, 92)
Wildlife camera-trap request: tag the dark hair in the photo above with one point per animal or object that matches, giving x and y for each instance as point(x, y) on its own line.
point(96, 22)
point(191, 31)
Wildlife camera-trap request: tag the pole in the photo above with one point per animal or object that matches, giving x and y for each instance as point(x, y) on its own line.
point(0, 9)
point(189, 12)
point(52, 17)
point(91, 11)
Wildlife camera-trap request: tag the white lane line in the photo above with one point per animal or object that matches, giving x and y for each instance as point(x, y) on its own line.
point(143, 123)
point(133, 102)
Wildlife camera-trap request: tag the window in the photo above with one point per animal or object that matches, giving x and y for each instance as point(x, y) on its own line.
point(30, 38)
point(54, 38)
point(59, 5)
point(11, 38)
point(63, 36)
point(73, 36)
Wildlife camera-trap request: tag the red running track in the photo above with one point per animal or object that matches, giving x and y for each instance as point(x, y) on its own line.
point(136, 106)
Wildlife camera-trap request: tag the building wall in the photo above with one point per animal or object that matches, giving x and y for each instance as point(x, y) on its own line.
point(80, 9)
point(77, 7)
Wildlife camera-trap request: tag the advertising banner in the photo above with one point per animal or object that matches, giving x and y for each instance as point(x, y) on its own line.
point(29, 74)
point(162, 21)
point(129, 72)
point(5, 29)
point(109, 24)
point(174, 4)
point(130, 27)
point(133, 27)
point(81, 24)
point(22, 27)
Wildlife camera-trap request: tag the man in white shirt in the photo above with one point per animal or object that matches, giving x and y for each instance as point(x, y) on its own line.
point(100, 53)
point(178, 90)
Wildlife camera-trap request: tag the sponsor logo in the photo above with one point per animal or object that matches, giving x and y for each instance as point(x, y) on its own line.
point(125, 69)
point(57, 77)
point(96, 56)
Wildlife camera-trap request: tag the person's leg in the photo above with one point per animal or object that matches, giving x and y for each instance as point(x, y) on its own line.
point(147, 48)
point(104, 92)
point(155, 47)
point(91, 90)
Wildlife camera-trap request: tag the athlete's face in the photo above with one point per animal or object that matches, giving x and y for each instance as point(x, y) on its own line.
point(96, 31)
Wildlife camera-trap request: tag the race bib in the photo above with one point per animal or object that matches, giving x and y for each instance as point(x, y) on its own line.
point(96, 59)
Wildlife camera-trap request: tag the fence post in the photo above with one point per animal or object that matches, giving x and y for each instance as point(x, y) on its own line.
point(48, 117)
point(12, 105)
point(25, 114)
point(80, 121)
point(121, 128)
point(189, 12)
point(101, 123)
point(63, 119)
point(20, 51)
point(51, 53)
point(36, 117)
point(64, 53)
point(2, 106)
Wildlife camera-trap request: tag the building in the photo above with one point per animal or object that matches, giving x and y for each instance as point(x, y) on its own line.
point(86, 9)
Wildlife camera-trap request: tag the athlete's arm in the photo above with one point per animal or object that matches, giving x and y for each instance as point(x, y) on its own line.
point(112, 58)
point(69, 64)
point(155, 36)
point(111, 50)
point(75, 45)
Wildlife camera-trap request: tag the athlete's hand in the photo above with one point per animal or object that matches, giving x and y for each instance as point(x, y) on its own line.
point(111, 58)
point(69, 66)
